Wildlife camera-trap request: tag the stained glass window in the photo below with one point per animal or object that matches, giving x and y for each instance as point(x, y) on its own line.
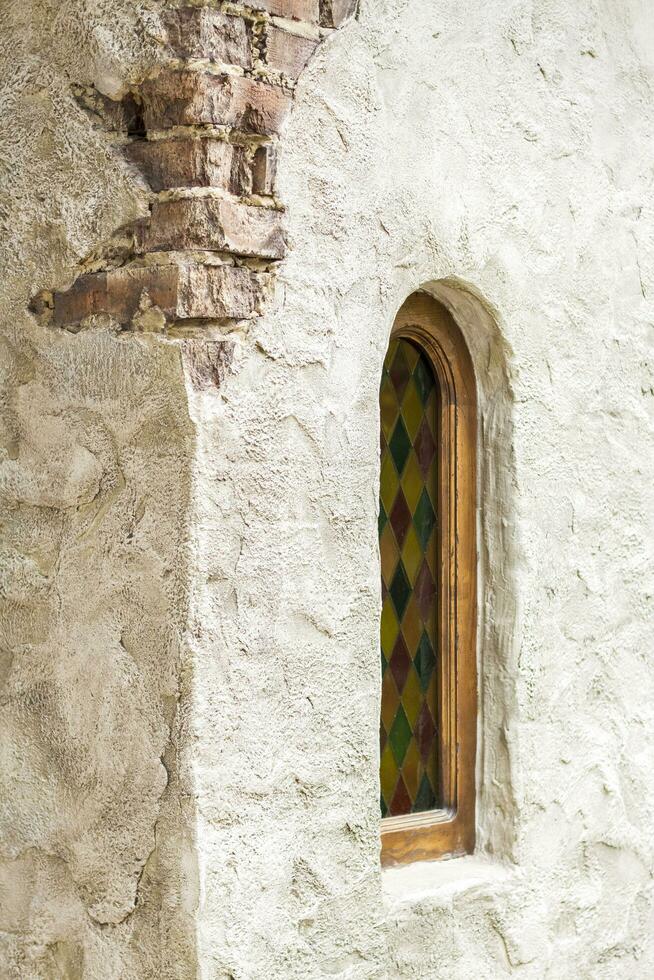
point(408, 535)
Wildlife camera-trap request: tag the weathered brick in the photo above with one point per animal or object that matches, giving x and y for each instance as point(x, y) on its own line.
point(192, 163)
point(215, 224)
point(218, 291)
point(202, 32)
point(87, 295)
point(207, 362)
point(287, 52)
point(117, 292)
point(186, 98)
point(180, 292)
point(264, 169)
point(307, 10)
point(333, 13)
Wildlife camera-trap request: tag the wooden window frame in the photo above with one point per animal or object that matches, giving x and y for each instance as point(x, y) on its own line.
point(449, 831)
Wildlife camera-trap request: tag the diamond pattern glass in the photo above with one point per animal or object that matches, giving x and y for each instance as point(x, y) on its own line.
point(408, 545)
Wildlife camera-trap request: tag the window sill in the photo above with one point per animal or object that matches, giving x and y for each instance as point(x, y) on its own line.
point(439, 883)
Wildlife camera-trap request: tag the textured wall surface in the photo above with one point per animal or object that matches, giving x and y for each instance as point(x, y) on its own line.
point(190, 685)
point(97, 869)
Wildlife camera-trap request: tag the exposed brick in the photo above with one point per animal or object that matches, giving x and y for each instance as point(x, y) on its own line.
point(333, 13)
point(264, 169)
point(111, 114)
point(192, 163)
point(183, 98)
point(307, 10)
point(87, 295)
point(218, 291)
point(181, 292)
point(202, 32)
point(287, 52)
point(207, 362)
point(148, 297)
point(211, 223)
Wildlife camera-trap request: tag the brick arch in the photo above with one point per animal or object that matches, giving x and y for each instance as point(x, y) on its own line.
point(203, 130)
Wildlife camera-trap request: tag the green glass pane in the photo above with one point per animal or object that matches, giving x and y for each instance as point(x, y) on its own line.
point(400, 590)
point(426, 798)
point(400, 736)
point(400, 445)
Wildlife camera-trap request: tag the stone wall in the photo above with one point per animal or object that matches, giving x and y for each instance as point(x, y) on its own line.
point(190, 582)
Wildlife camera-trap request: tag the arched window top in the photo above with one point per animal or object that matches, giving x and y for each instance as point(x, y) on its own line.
point(428, 566)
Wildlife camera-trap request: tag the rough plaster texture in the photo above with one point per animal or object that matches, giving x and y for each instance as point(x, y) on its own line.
point(191, 583)
point(95, 480)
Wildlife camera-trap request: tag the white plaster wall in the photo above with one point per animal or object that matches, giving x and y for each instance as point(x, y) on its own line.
point(507, 146)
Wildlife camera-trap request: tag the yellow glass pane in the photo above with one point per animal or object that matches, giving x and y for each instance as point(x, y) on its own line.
point(411, 769)
point(388, 408)
point(387, 772)
point(411, 353)
point(412, 410)
point(390, 700)
point(412, 626)
point(389, 482)
point(412, 698)
point(389, 627)
point(412, 481)
point(411, 554)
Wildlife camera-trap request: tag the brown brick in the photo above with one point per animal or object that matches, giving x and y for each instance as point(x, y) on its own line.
point(117, 292)
point(218, 291)
point(186, 98)
point(212, 223)
point(191, 163)
point(181, 292)
point(287, 52)
point(87, 295)
point(307, 10)
point(202, 32)
point(264, 169)
point(333, 13)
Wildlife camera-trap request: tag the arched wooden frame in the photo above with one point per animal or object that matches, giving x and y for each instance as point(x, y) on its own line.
point(451, 830)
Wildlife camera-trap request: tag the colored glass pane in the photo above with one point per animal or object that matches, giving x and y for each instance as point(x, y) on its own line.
point(412, 481)
point(408, 530)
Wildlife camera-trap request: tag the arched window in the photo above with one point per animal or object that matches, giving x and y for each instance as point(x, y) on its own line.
point(427, 538)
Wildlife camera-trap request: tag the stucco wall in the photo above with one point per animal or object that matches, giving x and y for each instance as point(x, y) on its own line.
point(497, 154)
point(504, 146)
point(97, 873)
